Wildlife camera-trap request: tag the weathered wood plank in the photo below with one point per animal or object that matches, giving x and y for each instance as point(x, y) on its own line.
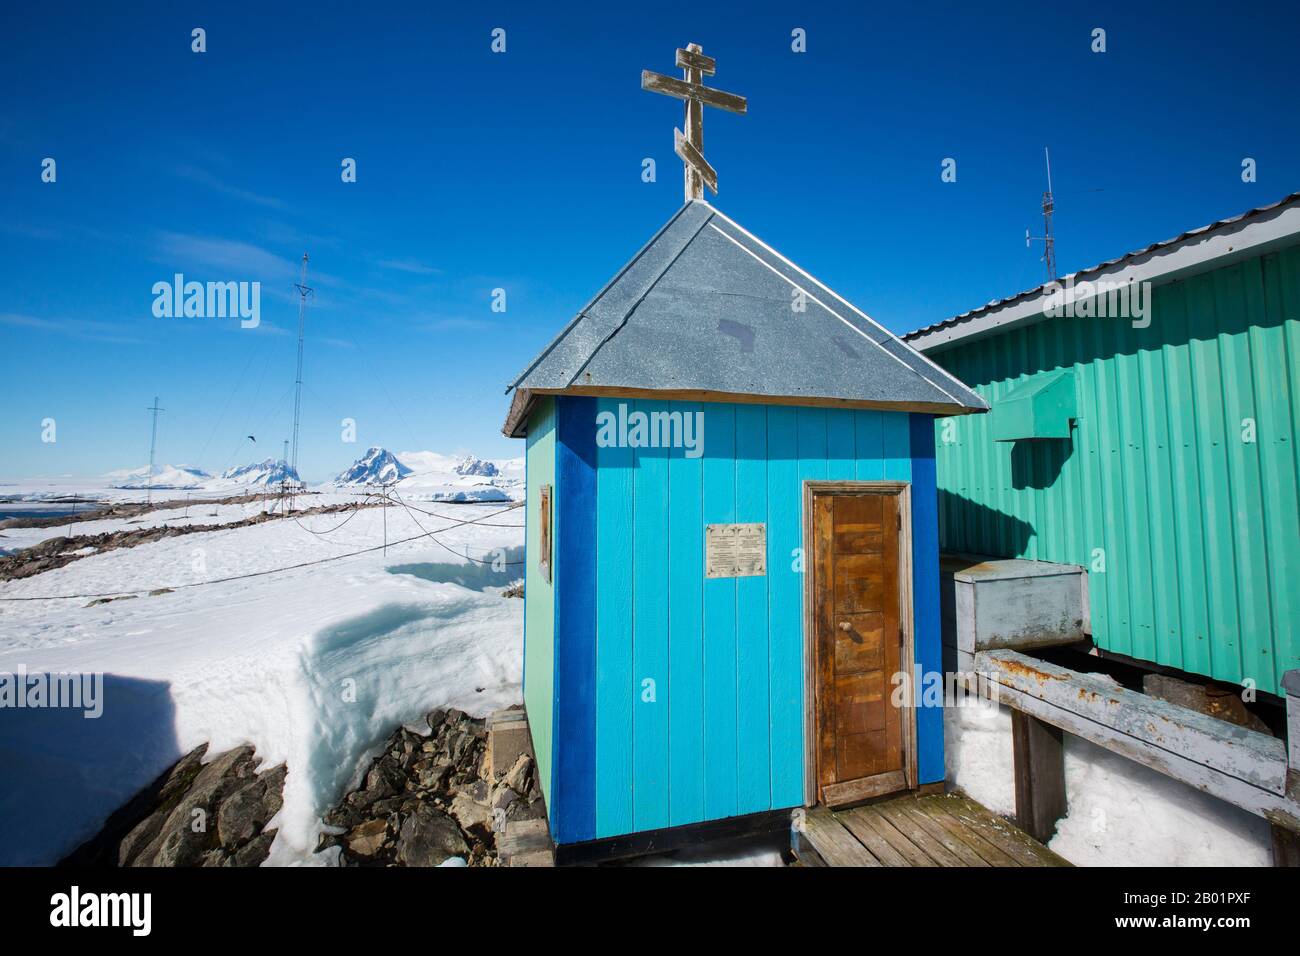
point(1286, 846)
point(689, 154)
point(908, 825)
point(1002, 834)
point(1217, 769)
point(965, 855)
point(989, 852)
point(1039, 760)
point(868, 837)
point(915, 856)
point(659, 83)
point(833, 842)
point(692, 59)
point(864, 788)
point(1247, 755)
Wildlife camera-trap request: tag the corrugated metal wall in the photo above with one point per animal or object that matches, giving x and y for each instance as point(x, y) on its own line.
point(1178, 489)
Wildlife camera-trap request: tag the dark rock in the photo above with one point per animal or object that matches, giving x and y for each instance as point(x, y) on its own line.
point(255, 851)
point(428, 837)
point(246, 811)
point(366, 839)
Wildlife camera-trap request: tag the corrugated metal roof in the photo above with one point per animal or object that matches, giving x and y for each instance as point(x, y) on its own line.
point(707, 308)
point(1108, 264)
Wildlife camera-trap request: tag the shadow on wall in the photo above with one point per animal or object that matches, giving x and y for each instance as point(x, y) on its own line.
point(62, 773)
point(1037, 462)
point(969, 526)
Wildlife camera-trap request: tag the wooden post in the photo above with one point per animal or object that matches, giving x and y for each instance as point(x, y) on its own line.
point(1286, 842)
point(1039, 757)
point(694, 128)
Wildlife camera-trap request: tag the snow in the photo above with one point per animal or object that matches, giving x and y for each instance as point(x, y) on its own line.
point(268, 472)
point(163, 477)
point(313, 666)
point(376, 467)
point(1120, 812)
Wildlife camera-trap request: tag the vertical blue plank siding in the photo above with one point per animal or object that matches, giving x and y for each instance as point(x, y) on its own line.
point(720, 717)
point(926, 636)
point(650, 642)
point(685, 639)
point(785, 561)
point(573, 815)
point(897, 451)
point(725, 732)
point(615, 688)
point(753, 768)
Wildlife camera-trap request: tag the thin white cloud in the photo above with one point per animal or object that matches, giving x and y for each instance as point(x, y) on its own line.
point(87, 329)
point(409, 265)
point(197, 174)
point(243, 258)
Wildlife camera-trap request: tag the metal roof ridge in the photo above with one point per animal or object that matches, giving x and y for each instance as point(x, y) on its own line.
point(1037, 290)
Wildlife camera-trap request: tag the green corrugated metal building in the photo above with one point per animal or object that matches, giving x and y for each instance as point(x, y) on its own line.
point(1157, 450)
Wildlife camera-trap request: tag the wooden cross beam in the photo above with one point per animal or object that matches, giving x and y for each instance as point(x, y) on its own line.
point(690, 145)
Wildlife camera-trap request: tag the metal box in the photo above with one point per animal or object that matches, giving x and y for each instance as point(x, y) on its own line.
point(991, 603)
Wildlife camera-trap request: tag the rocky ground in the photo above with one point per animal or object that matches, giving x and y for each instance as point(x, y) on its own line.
point(195, 814)
point(96, 511)
point(427, 799)
point(56, 552)
point(422, 801)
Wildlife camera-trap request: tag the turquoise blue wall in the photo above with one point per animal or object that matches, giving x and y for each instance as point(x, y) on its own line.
point(539, 594)
point(723, 735)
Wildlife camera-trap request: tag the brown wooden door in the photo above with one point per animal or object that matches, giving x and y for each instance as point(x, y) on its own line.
point(859, 643)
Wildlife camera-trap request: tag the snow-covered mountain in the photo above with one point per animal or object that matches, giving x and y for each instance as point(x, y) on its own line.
point(430, 476)
point(479, 467)
point(268, 472)
point(438, 477)
point(164, 476)
point(377, 466)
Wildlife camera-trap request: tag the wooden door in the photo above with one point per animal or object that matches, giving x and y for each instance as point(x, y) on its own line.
point(858, 646)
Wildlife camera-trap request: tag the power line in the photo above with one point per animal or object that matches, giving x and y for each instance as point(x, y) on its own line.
point(292, 567)
point(153, 441)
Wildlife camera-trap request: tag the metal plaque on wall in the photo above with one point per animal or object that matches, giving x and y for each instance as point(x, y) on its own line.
point(735, 550)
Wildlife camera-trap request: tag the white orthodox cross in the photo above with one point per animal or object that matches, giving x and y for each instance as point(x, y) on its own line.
point(690, 146)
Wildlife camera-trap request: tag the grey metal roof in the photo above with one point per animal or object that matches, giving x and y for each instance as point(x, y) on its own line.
point(1232, 222)
point(706, 308)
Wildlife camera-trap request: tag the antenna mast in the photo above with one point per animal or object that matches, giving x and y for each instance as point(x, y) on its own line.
point(1047, 239)
point(153, 442)
point(303, 291)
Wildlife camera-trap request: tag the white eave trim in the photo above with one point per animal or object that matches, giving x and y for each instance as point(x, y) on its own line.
point(1212, 249)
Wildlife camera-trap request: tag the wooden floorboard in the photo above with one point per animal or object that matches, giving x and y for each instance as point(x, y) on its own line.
point(938, 830)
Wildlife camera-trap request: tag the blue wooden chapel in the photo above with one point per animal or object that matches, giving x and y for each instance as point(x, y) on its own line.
point(732, 544)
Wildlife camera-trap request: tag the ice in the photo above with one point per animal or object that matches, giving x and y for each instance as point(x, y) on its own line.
point(313, 666)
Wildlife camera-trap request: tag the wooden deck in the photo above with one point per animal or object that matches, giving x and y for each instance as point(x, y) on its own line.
point(940, 830)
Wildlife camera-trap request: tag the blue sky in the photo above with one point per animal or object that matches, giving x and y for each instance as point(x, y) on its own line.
point(522, 171)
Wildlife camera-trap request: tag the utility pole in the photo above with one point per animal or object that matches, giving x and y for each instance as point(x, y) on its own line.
point(1048, 241)
point(303, 291)
point(153, 441)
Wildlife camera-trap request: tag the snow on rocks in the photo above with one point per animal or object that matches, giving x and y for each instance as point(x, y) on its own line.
point(268, 472)
point(197, 814)
point(312, 666)
point(377, 466)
